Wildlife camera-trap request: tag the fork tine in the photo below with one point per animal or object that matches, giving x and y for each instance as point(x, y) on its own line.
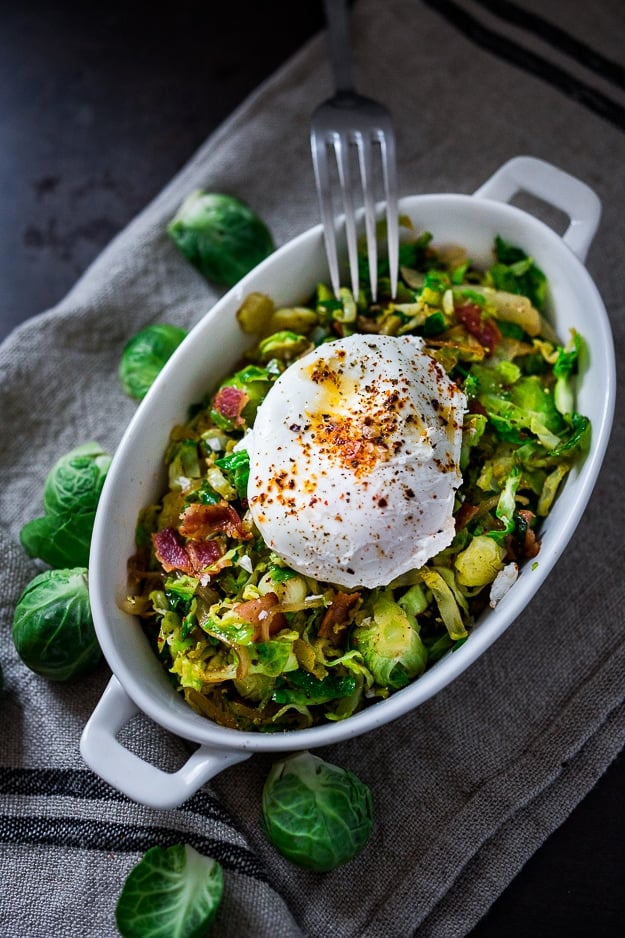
point(366, 174)
point(336, 196)
point(320, 148)
point(344, 121)
point(389, 173)
point(342, 152)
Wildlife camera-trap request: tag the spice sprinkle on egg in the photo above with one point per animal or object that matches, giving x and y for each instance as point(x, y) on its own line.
point(354, 459)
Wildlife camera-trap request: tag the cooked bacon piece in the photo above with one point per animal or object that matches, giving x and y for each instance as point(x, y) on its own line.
point(531, 544)
point(476, 407)
point(170, 553)
point(336, 615)
point(192, 559)
point(465, 513)
point(203, 554)
point(484, 329)
point(263, 613)
point(525, 544)
point(229, 402)
point(368, 325)
point(198, 521)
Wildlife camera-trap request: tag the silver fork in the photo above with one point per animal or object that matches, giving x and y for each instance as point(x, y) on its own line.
point(345, 123)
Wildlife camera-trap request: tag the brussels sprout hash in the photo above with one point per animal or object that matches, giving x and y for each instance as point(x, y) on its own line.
point(254, 645)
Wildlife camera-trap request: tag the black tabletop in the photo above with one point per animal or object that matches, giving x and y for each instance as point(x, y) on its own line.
point(99, 107)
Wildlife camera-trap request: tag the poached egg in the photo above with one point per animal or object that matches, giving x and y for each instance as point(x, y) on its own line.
point(354, 460)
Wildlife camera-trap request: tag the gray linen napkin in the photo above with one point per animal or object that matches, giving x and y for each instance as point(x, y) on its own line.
point(468, 786)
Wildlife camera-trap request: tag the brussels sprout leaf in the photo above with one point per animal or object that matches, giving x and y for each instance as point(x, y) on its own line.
point(564, 369)
point(62, 537)
point(172, 892)
point(58, 541)
point(515, 272)
point(237, 469)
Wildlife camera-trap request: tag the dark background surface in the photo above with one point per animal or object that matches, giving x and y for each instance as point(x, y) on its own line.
point(99, 108)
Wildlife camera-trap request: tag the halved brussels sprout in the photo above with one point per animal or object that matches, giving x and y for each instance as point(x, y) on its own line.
point(389, 643)
point(220, 235)
point(145, 354)
point(52, 626)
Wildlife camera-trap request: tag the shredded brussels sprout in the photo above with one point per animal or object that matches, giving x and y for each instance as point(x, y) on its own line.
point(253, 645)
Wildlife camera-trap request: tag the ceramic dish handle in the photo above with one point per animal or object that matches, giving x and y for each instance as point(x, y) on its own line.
point(131, 775)
point(554, 186)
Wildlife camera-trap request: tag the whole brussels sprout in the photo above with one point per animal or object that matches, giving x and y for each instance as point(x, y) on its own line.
point(316, 814)
point(62, 537)
point(76, 479)
point(52, 625)
point(145, 354)
point(220, 235)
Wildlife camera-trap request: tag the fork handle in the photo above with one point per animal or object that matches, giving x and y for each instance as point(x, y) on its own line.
point(339, 45)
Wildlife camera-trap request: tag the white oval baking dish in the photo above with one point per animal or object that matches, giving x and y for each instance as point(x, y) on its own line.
point(214, 346)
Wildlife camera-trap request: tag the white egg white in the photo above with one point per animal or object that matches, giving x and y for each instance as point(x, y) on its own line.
point(354, 460)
